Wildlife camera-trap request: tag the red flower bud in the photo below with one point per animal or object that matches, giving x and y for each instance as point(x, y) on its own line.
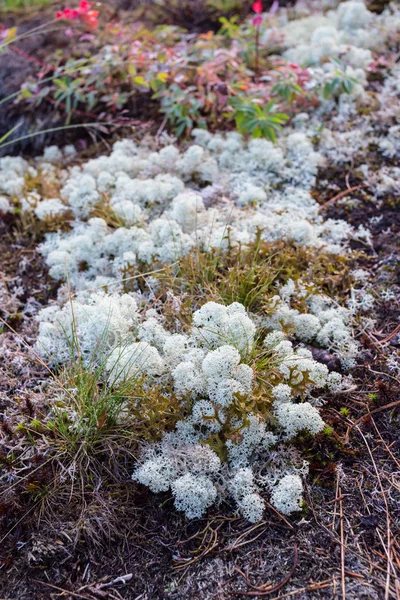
point(83, 12)
point(257, 7)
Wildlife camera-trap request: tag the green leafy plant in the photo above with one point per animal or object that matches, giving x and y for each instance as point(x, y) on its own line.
point(229, 27)
point(186, 80)
point(287, 89)
point(341, 83)
point(69, 92)
point(257, 120)
point(181, 108)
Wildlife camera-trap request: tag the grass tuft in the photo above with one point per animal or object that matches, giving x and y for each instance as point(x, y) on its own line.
point(250, 275)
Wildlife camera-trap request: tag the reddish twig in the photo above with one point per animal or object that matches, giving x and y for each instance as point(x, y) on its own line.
point(371, 412)
point(391, 335)
point(55, 587)
point(342, 195)
point(387, 448)
point(31, 58)
point(257, 52)
point(311, 588)
point(342, 546)
point(388, 550)
point(280, 516)
point(263, 590)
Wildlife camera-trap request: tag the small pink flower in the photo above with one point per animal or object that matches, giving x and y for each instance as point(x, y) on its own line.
point(83, 12)
point(257, 7)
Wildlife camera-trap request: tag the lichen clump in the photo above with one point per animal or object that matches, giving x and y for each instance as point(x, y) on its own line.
point(241, 375)
point(234, 427)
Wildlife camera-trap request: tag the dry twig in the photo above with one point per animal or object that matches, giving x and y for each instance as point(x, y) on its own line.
point(388, 550)
point(342, 195)
point(265, 589)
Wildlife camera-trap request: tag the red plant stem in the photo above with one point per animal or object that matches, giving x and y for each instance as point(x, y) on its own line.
point(74, 110)
point(31, 58)
point(257, 52)
point(342, 195)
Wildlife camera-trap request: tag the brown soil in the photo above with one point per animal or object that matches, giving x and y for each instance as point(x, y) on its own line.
point(350, 503)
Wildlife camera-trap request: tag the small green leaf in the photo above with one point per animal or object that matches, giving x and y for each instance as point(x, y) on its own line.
point(140, 80)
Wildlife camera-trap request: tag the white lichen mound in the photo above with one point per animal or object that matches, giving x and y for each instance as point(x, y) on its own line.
point(220, 192)
point(193, 494)
point(90, 328)
point(287, 496)
point(216, 377)
point(224, 447)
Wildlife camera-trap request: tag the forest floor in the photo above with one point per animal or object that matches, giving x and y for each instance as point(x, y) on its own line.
point(347, 545)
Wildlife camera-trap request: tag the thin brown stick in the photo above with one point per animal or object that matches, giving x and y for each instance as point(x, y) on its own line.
point(342, 546)
point(335, 500)
point(367, 414)
point(387, 448)
point(384, 374)
point(342, 195)
point(18, 522)
point(391, 335)
point(242, 541)
point(356, 575)
point(263, 590)
point(280, 515)
point(55, 587)
point(311, 588)
point(389, 563)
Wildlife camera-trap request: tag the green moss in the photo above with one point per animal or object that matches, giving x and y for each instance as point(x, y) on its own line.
point(250, 275)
